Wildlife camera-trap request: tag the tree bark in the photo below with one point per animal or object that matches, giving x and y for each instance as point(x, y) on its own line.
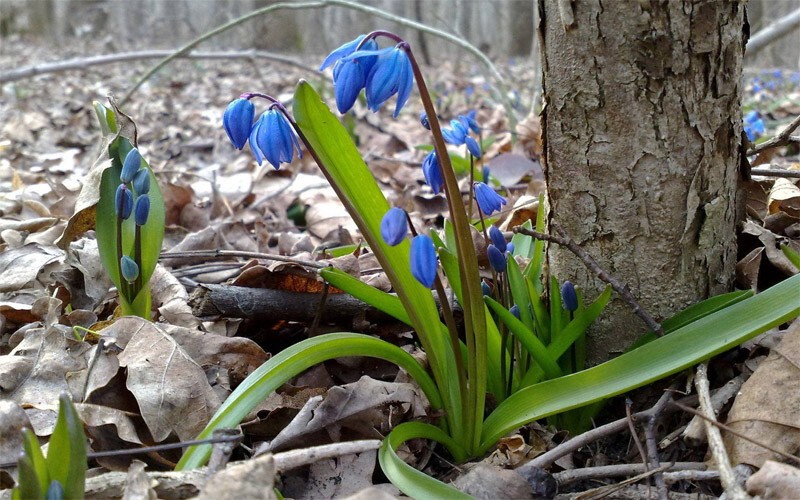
point(642, 128)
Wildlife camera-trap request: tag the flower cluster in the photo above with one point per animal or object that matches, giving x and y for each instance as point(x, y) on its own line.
point(271, 136)
point(382, 73)
point(753, 125)
point(132, 198)
point(457, 133)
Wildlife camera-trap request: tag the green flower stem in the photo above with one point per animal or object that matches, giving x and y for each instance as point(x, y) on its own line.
point(474, 317)
point(137, 257)
point(123, 283)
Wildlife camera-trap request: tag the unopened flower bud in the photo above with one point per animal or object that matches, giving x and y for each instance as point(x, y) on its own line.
point(569, 297)
point(130, 166)
point(142, 210)
point(129, 268)
point(141, 181)
point(123, 202)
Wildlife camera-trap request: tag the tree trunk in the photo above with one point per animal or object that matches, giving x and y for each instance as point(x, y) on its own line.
point(642, 128)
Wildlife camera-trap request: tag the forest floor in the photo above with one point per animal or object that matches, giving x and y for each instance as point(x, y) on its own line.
point(218, 198)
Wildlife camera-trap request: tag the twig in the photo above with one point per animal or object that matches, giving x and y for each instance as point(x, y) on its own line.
point(88, 62)
point(297, 458)
point(632, 428)
point(409, 23)
point(777, 172)
point(593, 266)
point(736, 433)
point(548, 458)
point(774, 31)
point(570, 476)
point(652, 457)
point(715, 444)
point(781, 139)
point(216, 254)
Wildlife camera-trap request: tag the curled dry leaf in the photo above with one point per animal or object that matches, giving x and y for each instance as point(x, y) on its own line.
point(19, 267)
point(784, 197)
point(765, 409)
point(170, 387)
point(171, 299)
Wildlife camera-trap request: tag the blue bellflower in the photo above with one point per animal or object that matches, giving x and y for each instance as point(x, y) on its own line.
point(473, 146)
point(468, 121)
point(391, 74)
point(123, 202)
point(238, 119)
point(496, 258)
point(456, 134)
point(433, 172)
point(488, 200)
point(394, 226)
point(515, 311)
point(133, 160)
point(350, 75)
point(142, 210)
point(423, 260)
point(498, 240)
point(129, 268)
point(345, 50)
point(273, 139)
point(569, 297)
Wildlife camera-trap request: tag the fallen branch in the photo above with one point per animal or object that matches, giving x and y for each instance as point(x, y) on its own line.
point(774, 31)
point(779, 140)
point(605, 471)
point(593, 266)
point(777, 172)
point(88, 62)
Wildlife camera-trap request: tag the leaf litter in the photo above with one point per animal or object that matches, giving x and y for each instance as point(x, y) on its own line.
point(137, 383)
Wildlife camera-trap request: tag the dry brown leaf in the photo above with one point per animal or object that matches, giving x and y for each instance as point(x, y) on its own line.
point(784, 196)
point(19, 267)
point(747, 269)
point(138, 485)
point(333, 478)
point(12, 420)
point(511, 168)
point(767, 408)
point(251, 479)
point(775, 481)
point(171, 299)
point(171, 388)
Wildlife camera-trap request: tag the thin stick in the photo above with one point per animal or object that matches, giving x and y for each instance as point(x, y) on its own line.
point(594, 267)
point(215, 254)
point(88, 62)
point(715, 444)
point(652, 458)
point(572, 475)
point(781, 139)
point(774, 31)
point(777, 172)
point(632, 428)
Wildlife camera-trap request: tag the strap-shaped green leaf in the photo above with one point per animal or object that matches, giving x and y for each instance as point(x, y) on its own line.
point(66, 454)
point(291, 362)
point(664, 356)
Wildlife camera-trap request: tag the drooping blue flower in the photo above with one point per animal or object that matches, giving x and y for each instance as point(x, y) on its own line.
point(347, 49)
point(473, 146)
point(142, 210)
point(498, 240)
point(488, 200)
point(469, 121)
point(129, 268)
point(273, 139)
point(238, 119)
point(433, 172)
point(123, 202)
point(496, 258)
point(423, 260)
point(456, 134)
point(390, 74)
point(141, 181)
point(486, 173)
point(133, 160)
point(423, 119)
point(348, 80)
point(394, 226)
point(569, 297)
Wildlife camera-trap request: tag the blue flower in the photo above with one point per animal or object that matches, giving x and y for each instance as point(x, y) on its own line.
point(123, 202)
point(390, 74)
point(473, 147)
point(515, 311)
point(510, 248)
point(498, 240)
point(456, 134)
point(485, 174)
point(273, 139)
point(433, 172)
point(486, 289)
point(129, 268)
point(348, 80)
point(238, 119)
point(423, 119)
point(423, 260)
point(753, 125)
point(347, 49)
point(469, 121)
point(488, 200)
point(394, 226)
point(496, 258)
point(133, 160)
point(568, 296)
point(141, 181)
point(142, 210)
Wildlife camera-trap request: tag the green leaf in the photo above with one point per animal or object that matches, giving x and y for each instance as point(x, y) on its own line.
point(523, 244)
point(519, 292)
point(291, 362)
point(66, 454)
point(28, 484)
point(669, 354)
point(384, 302)
point(409, 480)
point(357, 189)
point(793, 256)
point(36, 458)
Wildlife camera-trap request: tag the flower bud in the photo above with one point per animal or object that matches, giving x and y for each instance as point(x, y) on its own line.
point(423, 260)
point(496, 235)
point(473, 146)
point(568, 296)
point(130, 166)
point(486, 289)
point(238, 120)
point(123, 202)
point(510, 248)
point(141, 181)
point(129, 268)
point(423, 119)
point(142, 210)
point(394, 226)
point(496, 259)
point(487, 199)
point(515, 311)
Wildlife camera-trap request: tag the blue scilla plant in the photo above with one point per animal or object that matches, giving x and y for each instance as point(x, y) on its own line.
point(464, 364)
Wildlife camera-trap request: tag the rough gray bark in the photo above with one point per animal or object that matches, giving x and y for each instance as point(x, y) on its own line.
point(642, 131)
